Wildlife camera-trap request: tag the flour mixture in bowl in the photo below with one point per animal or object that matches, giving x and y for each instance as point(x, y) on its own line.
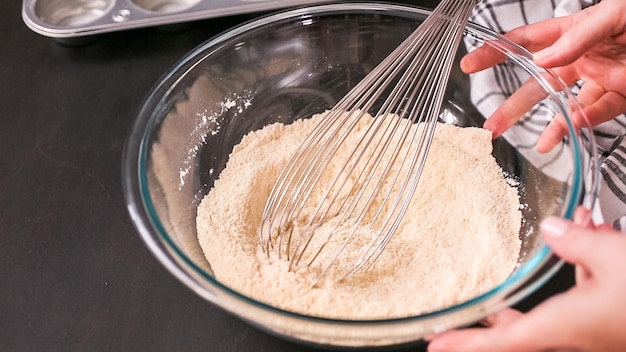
point(459, 238)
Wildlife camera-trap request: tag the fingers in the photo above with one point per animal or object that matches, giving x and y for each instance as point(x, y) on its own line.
point(589, 249)
point(561, 322)
point(605, 228)
point(482, 58)
point(468, 340)
point(532, 37)
point(582, 217)
point(577, 35)
point(504, 317)
point(559, 41)
point(605, 108)
point(552, 135)
point(526, 97)
point(556, 324)
point(557, 129)
point(535, 331)
point(599, 105)
point(590, 93)
point(553, 40)
point(520, 102)
point(592, 98)
point(578, 245)
point(595, 110)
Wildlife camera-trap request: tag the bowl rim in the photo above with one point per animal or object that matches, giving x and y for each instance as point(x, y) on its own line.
point(525, 280)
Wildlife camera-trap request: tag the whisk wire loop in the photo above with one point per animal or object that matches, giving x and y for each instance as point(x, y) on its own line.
point(384, 164)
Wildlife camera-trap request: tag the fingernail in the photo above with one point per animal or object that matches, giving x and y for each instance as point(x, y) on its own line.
point(543, 55)
point(465, 65)
point(488, 125)
point(554, 226)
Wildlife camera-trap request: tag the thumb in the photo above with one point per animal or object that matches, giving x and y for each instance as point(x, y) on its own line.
point(575, 244)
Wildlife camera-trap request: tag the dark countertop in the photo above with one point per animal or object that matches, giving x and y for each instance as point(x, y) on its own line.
point(74, 273)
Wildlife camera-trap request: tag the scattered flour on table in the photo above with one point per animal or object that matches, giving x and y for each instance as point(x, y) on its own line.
point(459, 238)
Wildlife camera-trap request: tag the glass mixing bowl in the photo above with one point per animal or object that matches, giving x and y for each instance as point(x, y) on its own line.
point(297, 63)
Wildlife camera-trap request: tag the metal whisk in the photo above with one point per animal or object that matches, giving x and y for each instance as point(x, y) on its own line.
point(365, 191)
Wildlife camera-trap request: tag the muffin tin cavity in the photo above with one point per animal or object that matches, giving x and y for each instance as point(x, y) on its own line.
point(71, 13)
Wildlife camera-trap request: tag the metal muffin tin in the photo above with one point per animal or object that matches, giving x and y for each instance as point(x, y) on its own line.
point(79, 18)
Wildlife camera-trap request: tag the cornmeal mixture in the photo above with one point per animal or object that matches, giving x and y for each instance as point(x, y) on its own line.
point(459, 238)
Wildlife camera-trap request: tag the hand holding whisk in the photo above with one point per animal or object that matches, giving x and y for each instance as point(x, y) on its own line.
point(340, 198)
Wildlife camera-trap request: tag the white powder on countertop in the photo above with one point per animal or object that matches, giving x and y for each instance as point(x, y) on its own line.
point(459, 237)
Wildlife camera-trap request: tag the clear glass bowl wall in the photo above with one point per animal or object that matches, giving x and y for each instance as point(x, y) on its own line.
point(295, 64)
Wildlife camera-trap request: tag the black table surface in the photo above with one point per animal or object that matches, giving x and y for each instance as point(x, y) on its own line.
point(74, 273)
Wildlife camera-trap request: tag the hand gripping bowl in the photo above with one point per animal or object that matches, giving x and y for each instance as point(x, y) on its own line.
point(295, 64)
